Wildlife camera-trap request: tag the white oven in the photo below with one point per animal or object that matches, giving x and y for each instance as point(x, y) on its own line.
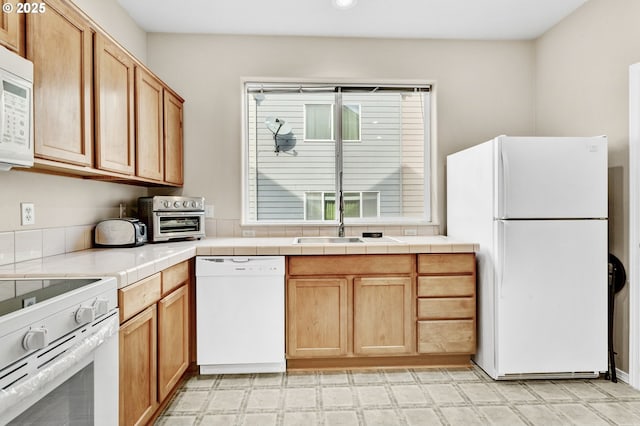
point(59, 351)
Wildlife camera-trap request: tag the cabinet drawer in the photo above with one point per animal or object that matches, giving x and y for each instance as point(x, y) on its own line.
point(443, 286)
point(351, 264)
point(459, 263)
point(174, 276)
point(454, 307)
point(446, 336)
point(134, 298)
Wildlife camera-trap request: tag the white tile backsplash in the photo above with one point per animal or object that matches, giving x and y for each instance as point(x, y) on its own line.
point(77, 238)
point(33, 244)
point(228, 228)
point(53, 241)
point(28, 245)
point(20, 246)
point(7, 248)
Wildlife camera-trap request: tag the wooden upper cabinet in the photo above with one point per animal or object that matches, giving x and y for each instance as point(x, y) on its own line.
point(149, 126)
point(12, 27)
point(114, 107)
point(59, 42)
point(173, 151)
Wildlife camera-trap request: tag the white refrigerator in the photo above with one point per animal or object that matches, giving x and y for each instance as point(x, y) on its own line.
point(537, 206)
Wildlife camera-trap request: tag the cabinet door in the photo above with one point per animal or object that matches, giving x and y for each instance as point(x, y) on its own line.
point(173, 339)
point(149, 126)
point(382, 315)
point(60, 44)
point(173, 144)
point(138, 369)
point(11, 27)
point(317, 317)
point(114, 109)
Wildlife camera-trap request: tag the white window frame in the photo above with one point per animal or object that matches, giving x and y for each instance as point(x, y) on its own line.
point(431, 198)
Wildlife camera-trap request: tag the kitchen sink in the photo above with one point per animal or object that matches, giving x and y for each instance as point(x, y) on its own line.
point(328, 240)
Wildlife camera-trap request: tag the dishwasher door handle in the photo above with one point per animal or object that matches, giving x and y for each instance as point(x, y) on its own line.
point(234, 260)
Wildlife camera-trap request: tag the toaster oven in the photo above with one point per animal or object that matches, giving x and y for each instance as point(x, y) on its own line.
point(172, 217)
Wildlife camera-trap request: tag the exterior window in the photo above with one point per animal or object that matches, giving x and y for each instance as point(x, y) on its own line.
point(322, 205)
point(318, 122)
point(351, 122)
point(296, 162)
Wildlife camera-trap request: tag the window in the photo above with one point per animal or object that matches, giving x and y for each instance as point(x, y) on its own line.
point(322, 205)
point(350, 123)
point(318, 119)
point(294, 171)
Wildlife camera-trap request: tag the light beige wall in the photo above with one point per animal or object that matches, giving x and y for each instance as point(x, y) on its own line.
point(61, 201)
point(115, 21)
point(64, 201)
point(582, 68)
point(483, 89)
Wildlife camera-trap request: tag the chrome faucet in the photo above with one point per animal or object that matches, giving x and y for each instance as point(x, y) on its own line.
point(341, 209)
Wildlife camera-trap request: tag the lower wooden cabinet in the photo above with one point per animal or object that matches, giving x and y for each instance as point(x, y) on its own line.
point(154, 342)
point(446, 303)
point(138, 355)
point(382, 315)
point(350, 306)
point(381, 310)
point(317, 317)
point(446, 336)
point(173, 339)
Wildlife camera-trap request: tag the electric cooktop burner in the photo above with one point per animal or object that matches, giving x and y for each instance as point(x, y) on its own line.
point(16, 294)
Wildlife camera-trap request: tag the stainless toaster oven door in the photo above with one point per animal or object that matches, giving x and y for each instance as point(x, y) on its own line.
point(178, 225)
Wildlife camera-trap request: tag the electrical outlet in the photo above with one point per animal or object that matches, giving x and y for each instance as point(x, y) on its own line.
point(410, 232)
point(208, 211)
point(248, 233)
point(28, 213)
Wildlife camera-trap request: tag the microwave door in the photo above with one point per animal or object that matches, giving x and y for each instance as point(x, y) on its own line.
point(16, 143)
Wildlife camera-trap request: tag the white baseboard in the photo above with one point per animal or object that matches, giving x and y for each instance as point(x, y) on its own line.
point(622, 376)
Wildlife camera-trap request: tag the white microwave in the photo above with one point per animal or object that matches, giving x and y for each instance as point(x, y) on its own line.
point(16, 111)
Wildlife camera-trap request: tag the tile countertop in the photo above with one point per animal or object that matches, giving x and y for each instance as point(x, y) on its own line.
point(129, 265)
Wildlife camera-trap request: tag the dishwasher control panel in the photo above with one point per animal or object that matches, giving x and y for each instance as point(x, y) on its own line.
point(238, 265)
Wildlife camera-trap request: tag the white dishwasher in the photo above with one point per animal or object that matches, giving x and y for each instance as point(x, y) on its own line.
point(240, 314)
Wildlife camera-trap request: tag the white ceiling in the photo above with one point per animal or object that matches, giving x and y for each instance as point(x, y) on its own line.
point(456, 19)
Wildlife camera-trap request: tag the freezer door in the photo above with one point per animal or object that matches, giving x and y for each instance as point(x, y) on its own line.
point(551, 296)
point(551, 177)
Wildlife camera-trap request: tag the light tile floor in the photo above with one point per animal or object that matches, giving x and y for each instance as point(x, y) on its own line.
point(398, 397)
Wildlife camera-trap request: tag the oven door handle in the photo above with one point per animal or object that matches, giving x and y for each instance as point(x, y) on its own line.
point(165, 214)
point(13, 394)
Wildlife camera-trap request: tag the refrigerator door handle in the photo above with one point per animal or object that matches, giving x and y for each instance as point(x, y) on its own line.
point(502, 255)
point(504, 181)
